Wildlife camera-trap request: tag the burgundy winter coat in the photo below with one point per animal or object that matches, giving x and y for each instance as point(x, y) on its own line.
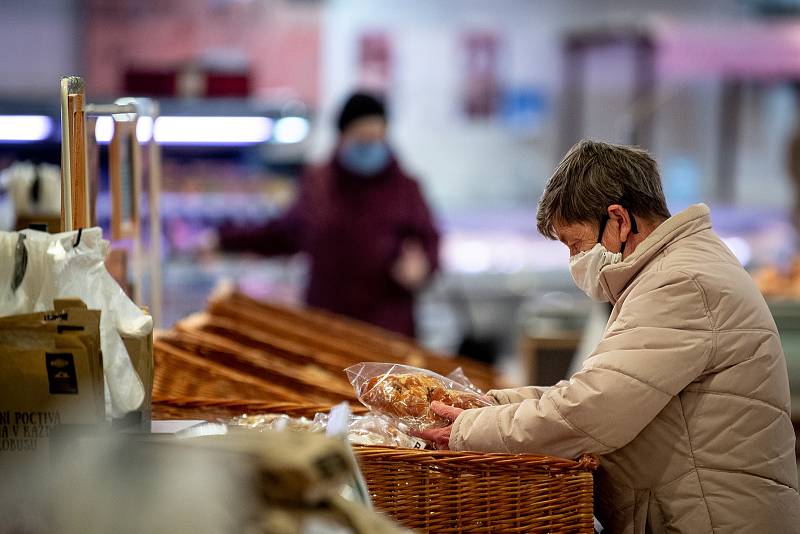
point(352, 229)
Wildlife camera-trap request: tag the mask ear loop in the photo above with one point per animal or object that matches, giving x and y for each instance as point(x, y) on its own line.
point(634, 230)
point(604, 222)
point(602, 230)
point(634, 226)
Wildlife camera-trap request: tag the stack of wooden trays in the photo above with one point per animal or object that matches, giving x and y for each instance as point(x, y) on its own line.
point(241, 348)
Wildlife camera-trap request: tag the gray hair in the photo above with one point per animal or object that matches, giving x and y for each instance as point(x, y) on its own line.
point(594, 175)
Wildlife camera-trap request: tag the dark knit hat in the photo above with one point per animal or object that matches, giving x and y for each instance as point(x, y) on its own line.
point(358, 106)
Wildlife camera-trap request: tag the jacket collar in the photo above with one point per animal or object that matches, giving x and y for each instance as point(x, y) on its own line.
point(616, 278)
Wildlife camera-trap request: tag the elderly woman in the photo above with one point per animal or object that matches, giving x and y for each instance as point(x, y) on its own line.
point(686, 398)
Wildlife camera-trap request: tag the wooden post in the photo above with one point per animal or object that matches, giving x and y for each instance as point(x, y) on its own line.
point(93, 166)
point(115, 184)
point(154, 152)
point(75, 195)
point(136, 170)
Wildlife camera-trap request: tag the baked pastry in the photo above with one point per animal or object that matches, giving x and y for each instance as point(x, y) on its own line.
point(408, 397)
point(774, 282)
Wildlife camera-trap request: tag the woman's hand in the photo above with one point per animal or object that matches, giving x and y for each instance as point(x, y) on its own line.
point(440, 437)
point(411, 270)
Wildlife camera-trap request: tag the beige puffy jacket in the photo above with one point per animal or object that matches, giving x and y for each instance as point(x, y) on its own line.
point(686, 397)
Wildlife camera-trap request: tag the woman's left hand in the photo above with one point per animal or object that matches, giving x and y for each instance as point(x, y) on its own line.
point(440, 437)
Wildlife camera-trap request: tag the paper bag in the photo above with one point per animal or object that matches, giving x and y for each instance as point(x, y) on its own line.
point(70, 316)
point(50, 375)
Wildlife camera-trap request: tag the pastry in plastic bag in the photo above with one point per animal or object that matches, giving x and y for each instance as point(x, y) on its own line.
point(374, 429)
point(279, 422)
point(406, 393)
point(370, 429)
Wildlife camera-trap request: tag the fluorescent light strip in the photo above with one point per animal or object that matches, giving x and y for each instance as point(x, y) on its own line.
point(194, 130)
point(25, 128)
point(291, 130)
point(212, 130)
point(144, 129)
point(103, 130)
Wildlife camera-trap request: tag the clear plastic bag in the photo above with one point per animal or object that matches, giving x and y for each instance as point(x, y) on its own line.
point(280, 422)
point(458, 375)
point(370, 429)
point(405, 393)
point(373, 429)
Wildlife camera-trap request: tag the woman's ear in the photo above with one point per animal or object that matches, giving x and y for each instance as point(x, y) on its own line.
point(623, 219)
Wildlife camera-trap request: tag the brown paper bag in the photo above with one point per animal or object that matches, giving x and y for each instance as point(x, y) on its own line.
point(51, 373)
point(40, 388)
point(70, 317)
point(139, 348)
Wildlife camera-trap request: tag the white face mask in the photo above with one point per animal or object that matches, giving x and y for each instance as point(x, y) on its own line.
point(585, 268)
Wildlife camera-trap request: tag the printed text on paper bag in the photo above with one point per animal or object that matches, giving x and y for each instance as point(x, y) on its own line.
point(20, 431)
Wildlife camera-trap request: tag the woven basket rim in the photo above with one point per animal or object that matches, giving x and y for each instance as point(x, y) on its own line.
point(586, 462)
point(211, 402)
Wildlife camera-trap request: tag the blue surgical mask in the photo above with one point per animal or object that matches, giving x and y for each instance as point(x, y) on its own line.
point(366, 159)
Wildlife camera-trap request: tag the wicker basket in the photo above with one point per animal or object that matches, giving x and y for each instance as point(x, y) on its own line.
point(316, 383)
point(445, 491)
point(311, 362)
point(319, 332)
point(180, 373)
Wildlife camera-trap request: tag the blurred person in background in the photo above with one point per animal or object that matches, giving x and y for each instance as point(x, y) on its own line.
point(363, 222)
point(686, 397)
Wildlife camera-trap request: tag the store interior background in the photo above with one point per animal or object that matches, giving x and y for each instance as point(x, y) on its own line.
point(482, 170)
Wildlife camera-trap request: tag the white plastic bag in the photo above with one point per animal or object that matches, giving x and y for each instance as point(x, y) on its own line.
point(56, 268)
point(23, 176)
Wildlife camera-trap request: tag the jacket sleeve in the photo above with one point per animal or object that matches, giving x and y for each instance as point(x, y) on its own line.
point(661, 341)
point(514, 395)
point(423, 226)
point(281, 236)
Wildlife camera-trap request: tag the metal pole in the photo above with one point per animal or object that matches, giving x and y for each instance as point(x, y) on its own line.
point(109, 109)
point(76, 212)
